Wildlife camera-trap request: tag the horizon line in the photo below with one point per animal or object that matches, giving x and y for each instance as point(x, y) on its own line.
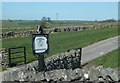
point(62, 19)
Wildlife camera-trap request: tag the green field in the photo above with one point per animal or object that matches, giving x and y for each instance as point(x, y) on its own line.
point(61, 42)
point(15, 30)
point(16, 24)
point(108, 60)
point(24, 24)
point(32, 23)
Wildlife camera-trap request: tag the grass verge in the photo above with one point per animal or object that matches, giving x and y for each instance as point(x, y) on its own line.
point(110, 59)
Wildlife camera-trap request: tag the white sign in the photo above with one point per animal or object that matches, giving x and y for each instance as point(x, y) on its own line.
point(40, 44)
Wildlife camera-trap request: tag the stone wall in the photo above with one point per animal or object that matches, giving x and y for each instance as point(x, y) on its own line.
point(17, 34)
point(3, 57)
point(57, 70)
point(68, 60)
point(18, 28)
point(53, 30)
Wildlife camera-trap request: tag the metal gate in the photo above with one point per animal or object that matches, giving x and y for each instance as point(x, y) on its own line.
point(21, 54)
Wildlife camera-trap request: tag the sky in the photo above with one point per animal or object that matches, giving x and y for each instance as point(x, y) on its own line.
point(66, 10)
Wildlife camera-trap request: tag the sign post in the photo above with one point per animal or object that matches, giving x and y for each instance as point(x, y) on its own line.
point(40, 46)
point(41, 63)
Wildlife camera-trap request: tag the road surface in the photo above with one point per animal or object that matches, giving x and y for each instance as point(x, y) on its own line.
point(98, 49)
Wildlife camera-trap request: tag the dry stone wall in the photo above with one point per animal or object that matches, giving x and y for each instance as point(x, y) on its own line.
point(3, 57)
point(53, 30)
point(59, 72)
point(17, 34)
point(68, 60)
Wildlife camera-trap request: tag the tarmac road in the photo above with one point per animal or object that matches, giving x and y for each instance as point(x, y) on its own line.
point(98, 49)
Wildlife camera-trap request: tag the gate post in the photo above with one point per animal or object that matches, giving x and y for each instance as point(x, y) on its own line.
point(24, 55)
point(80, 52)
point(9, 58)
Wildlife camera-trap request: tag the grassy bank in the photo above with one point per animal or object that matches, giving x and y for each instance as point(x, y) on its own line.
point(108, 60)
point(61, 42)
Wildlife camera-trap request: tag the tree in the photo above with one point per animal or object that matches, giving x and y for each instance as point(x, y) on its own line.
point(44, 19)
point(43, 22)
point(48, 20)
point(10, 20)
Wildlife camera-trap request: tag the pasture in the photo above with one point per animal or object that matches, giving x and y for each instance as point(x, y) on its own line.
point(61, 42)
point(25, 25)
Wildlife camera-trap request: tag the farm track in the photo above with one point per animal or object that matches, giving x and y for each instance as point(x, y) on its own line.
point(98, 49)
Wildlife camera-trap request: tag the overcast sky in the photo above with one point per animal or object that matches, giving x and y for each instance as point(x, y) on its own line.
point(65, 10)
